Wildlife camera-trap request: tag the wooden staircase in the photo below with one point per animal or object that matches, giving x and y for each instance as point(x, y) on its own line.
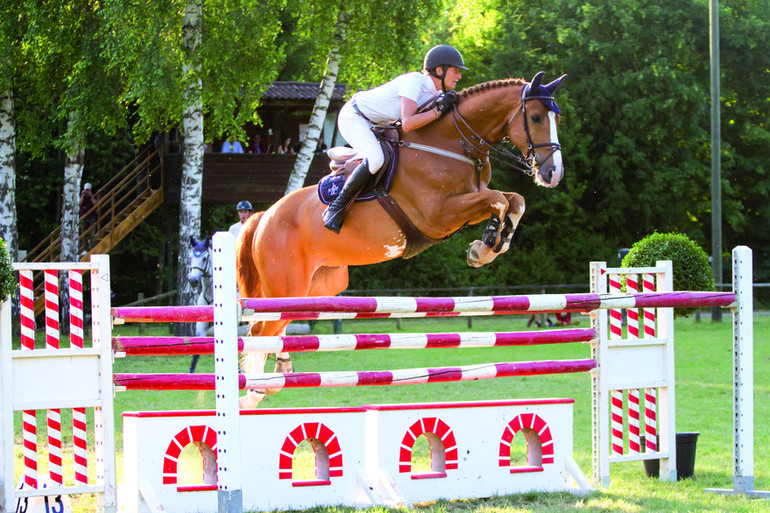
point(122, 203)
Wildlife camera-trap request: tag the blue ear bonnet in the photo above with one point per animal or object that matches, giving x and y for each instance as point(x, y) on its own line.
point(200, 248)
point(544, 93)
point(545, 96)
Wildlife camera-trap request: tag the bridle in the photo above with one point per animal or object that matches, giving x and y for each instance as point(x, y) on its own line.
point(204, 272)
point(495, 150)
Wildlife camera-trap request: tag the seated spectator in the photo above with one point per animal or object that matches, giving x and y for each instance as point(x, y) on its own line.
point(232, 146)
point(286, 148)
point(257, 146)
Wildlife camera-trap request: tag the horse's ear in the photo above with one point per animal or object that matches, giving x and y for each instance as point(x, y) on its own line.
point(535, 84)
point(208, 241)
point(193, 242)
point(553, 86)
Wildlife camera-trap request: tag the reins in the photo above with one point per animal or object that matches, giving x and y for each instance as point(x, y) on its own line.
point(520, 162)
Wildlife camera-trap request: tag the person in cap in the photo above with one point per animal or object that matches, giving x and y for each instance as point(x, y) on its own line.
point(87, 202)
point(393, 101)
point(244, 211)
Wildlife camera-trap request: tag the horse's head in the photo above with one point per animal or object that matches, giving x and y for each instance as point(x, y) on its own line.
point(200, 265)
point(540, 117)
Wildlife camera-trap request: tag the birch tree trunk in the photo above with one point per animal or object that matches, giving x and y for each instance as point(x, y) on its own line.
point(192, 160)
point(8, 229)
point(310, 142)
point(73, 172)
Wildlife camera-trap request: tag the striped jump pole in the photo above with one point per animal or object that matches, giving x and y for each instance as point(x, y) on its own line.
point(387, 306)
point(336, 307)
point(353, 378)
point(157, 346)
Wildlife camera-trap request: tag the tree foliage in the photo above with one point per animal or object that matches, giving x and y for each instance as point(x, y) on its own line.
point(235, 60)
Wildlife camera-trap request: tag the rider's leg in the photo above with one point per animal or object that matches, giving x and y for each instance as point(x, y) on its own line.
point(357, 132)
point(335, 212)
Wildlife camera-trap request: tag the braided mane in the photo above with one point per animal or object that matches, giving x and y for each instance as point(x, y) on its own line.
point(491, 85)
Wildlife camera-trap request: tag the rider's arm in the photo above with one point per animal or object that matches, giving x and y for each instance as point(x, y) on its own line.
point(410, 119)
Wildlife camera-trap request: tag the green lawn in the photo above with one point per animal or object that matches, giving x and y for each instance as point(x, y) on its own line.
point(704, 404)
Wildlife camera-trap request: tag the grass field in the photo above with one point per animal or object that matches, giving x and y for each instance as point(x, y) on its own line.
point(703, 396)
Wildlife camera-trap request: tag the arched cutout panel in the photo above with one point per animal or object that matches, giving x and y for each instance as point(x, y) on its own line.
point(539, 443)
point(443, 447)
point(205, 439)
point(326, 448)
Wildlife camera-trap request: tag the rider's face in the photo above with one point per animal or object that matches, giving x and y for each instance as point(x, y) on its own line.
point(453, 75)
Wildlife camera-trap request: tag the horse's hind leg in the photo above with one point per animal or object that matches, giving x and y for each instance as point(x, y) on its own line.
point(327, 281)
point(498, 233)
point(253, 362)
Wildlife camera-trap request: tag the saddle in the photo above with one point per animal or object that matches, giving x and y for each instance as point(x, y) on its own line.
point(342, 162)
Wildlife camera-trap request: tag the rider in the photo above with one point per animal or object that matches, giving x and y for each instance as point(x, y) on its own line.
point(396, 100)
point(244, 211)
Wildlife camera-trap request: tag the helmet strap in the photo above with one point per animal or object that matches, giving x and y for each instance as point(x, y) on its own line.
point(433, 72)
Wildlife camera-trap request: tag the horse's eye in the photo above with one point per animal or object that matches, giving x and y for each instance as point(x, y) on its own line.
point(537, 118)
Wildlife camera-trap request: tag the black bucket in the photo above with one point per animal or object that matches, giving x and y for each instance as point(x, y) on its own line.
point(685, 457)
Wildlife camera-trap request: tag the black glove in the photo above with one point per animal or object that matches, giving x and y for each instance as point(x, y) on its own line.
point(446, 102)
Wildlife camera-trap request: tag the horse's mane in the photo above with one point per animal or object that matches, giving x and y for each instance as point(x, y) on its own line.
point(491, 85)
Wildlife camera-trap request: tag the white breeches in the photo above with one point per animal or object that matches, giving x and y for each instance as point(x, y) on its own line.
point(358, 133)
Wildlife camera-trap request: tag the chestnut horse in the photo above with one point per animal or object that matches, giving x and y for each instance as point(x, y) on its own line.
point(440, 184)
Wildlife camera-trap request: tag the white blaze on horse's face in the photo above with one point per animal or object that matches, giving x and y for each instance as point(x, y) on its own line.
point(558, 168)
point(198, 267)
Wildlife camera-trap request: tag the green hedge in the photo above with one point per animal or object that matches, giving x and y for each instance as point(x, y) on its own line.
point(692, 270)
point(7, 278)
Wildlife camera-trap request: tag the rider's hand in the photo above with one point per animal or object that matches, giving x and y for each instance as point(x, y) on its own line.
point(446, 102)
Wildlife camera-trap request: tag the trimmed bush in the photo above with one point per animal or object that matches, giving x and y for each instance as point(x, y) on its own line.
point(692, 270)
point(7, 278)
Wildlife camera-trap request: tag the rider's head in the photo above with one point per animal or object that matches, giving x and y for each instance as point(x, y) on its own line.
point(444, 63)
point(244, 210)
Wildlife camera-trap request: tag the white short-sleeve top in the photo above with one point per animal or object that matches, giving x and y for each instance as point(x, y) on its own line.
point(382, 104)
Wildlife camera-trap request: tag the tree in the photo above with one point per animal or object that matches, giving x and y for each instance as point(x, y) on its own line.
point(189, 61)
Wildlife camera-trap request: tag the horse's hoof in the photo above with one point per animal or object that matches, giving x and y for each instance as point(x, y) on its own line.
point(251, 400)
point(283, 365)
point(472, 256)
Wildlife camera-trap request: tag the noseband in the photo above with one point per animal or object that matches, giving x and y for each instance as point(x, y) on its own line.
point(526, 163)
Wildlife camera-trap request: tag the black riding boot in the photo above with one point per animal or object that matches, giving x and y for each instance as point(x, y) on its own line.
point(335, 212)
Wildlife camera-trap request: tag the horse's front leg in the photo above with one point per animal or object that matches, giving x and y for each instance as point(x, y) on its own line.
point(498, 232)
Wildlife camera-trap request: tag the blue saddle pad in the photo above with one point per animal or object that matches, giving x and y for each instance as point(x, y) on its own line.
point(329, 186)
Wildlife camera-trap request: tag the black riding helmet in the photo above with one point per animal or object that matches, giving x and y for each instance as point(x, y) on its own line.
point(442, 56)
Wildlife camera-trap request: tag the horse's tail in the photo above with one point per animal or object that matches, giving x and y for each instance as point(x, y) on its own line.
point(248, 276)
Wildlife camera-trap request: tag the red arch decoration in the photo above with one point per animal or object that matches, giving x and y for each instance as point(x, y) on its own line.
point(191, 434)
point(425, 425)
point(538, 426)
point(320, 432)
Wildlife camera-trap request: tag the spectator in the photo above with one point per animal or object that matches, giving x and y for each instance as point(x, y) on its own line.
point(232, 146)
point(257, 146)
point(244, 211)
point(286, 148)
point(87, 202)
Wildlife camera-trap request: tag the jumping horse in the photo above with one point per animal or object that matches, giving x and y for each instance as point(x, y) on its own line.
point(440, 185)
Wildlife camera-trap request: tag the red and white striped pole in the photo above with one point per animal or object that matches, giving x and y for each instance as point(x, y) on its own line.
point(650, 395)
point(80, 448)
point(616, 396)
point(52, 342)
point(29, 418)
point(634, 441)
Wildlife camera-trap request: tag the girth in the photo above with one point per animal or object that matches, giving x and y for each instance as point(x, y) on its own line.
point(416, 241)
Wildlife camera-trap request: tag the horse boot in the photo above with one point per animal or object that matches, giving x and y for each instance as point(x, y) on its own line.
point(335, 212)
